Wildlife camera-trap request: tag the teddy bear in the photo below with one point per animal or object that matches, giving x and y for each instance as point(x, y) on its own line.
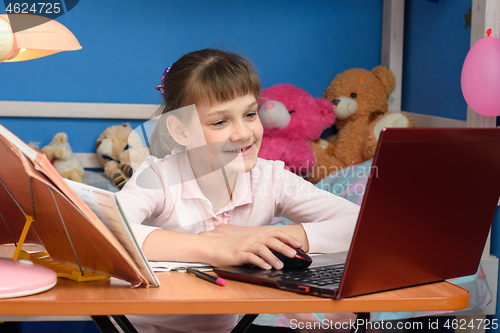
point(120, 150)
point(361, 101)
point(59, 152)
point(293, 121)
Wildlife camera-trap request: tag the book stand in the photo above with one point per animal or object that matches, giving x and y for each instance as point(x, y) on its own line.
point(67, 228)
point(30, 273)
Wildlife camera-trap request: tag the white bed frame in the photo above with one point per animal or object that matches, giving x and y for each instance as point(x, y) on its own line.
point(485, 13)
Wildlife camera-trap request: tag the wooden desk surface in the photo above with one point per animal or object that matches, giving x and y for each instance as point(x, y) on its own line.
point(182, 293)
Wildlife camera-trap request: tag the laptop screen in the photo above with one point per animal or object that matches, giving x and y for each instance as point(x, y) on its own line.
point(428, 208)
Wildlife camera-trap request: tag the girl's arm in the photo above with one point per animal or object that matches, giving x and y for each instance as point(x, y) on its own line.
point(230, 247)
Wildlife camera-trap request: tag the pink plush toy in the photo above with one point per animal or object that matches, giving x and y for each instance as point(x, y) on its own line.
point(293, 121)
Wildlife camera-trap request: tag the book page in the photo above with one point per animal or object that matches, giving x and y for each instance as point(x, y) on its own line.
point(166, 266)
point(104, 204)
point(28, 151)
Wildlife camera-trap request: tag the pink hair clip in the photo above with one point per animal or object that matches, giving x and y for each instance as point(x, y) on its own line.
point(160, 87)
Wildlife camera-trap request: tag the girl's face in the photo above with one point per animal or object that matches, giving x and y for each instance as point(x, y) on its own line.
point(233, 132)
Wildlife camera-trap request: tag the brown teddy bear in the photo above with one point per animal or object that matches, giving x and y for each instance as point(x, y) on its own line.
point(120, 150)
point(59, 152)
point(361, 100)
point(326, 163)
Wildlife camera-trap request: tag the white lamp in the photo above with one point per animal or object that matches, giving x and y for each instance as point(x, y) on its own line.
point(44, 37)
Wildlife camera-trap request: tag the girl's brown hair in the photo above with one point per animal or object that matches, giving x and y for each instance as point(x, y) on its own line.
point(206, 76)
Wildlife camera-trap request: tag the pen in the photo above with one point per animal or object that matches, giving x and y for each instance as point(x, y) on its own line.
point(208, 277)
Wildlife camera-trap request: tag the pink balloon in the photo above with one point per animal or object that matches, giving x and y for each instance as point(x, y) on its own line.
point(481, 77)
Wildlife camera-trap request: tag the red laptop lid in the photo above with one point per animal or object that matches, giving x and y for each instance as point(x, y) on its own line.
point(427, 210)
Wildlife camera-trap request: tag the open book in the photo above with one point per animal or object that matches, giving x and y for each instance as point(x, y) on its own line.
point(106, 206)
point(63, 223)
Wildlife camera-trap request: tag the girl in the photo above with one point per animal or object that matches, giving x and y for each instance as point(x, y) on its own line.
point(211, 200)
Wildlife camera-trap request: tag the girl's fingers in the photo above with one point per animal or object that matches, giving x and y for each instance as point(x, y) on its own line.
point(259, 262)
point(284, 244)
point(273, 243)
point(287, 239)
point(264, 252)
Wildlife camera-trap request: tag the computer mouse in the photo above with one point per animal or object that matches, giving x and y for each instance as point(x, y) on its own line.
point(301, 260)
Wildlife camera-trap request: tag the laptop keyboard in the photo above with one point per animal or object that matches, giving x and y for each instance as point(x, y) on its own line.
point(320, 276)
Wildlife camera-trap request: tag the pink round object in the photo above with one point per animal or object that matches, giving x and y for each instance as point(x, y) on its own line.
point(481, 77)
point(269, 106)
point(21, 278)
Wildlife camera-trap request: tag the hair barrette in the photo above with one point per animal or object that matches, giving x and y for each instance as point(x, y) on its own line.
point(160, 87)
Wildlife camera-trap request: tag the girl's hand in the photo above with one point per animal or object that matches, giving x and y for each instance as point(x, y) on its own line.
point(231, 245)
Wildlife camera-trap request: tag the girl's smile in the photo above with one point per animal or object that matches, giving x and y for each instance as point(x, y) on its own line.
point(233, 132)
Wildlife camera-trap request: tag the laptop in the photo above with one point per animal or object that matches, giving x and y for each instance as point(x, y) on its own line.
point(425, 217)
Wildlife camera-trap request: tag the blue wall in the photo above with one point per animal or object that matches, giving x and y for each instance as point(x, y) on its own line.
point(127, 45)
point(435, 45)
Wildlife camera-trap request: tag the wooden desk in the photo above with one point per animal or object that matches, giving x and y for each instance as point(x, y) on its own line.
point(182, 293)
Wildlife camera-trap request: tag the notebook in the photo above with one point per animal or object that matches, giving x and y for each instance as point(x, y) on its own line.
point(425, 217)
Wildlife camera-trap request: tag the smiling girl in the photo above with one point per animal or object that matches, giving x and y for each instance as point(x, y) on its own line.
point(211, 199)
